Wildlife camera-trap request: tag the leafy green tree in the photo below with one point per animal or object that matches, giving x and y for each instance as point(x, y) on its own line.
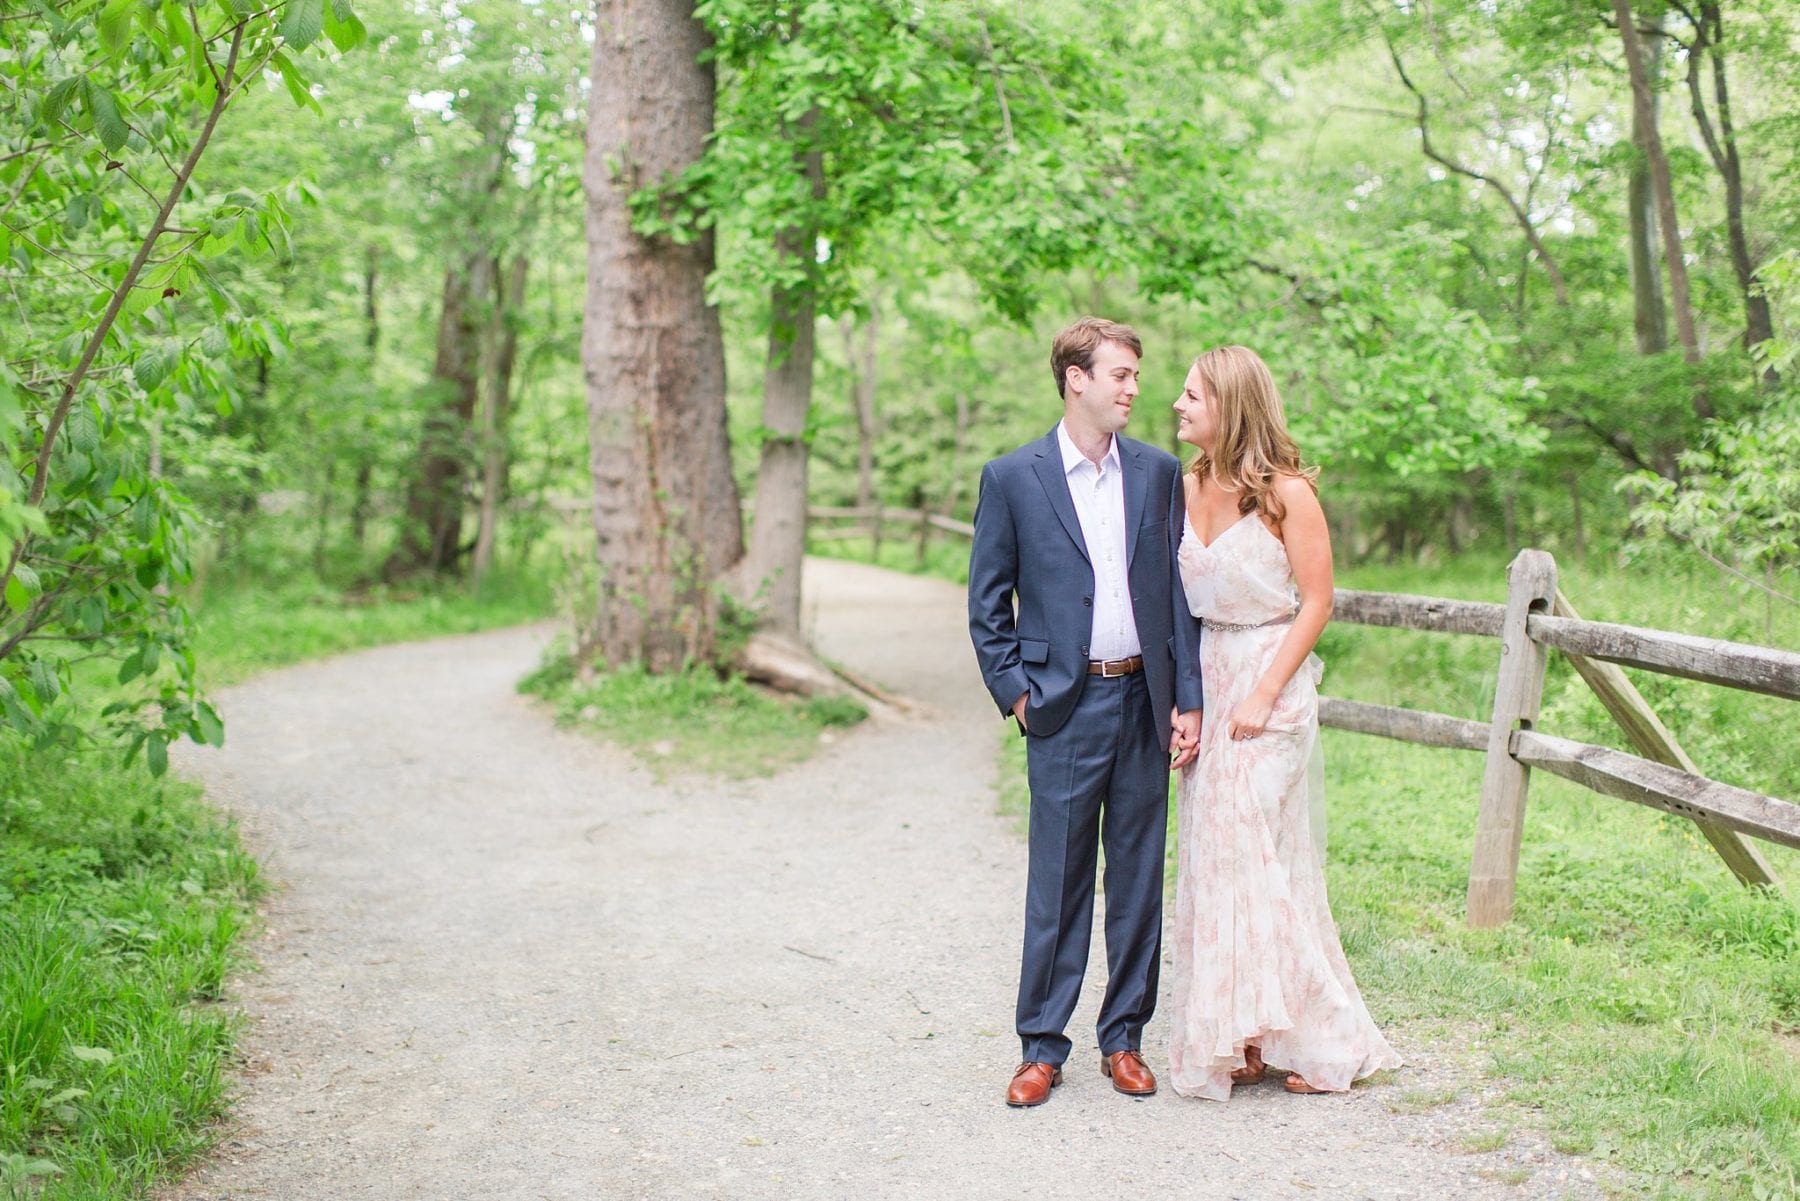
point(122, 329)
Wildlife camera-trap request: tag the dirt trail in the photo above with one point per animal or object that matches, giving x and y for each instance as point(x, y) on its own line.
point(503, 961)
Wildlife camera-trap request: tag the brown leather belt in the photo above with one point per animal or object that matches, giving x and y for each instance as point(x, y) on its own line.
point(1116, 667)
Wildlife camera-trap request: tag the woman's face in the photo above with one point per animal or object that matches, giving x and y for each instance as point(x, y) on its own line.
point(1199, 412)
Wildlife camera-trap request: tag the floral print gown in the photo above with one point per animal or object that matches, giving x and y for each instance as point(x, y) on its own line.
point(1256, 953)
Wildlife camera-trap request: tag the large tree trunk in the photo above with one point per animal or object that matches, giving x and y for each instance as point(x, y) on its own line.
point(1644, 116)
point(432, 529)
point(1721, 145)
point(665, 510)
point(503, 345)
point(778, 536)
point(1650, 318)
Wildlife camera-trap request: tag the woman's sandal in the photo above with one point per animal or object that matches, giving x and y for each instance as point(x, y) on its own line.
point(1296, 1083)
point(1252, 1071)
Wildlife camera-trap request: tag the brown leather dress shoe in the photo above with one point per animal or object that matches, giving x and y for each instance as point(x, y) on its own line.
point(1031, 1084)
point(1129, 1073)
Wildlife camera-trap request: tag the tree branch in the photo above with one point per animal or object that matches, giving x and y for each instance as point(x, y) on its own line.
point(1431, 152)
point(41, 474)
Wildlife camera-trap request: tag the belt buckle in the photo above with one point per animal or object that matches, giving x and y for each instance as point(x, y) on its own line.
point(1106, 668)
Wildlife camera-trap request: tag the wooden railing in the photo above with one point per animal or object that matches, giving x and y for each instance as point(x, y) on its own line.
point(1535, 619)
point(870, 523)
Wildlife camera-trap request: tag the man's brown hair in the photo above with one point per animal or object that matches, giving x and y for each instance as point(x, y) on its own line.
point(1076, 344)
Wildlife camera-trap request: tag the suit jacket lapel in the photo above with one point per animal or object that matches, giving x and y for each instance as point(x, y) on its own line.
point(1056, 486)
point(1137, 493)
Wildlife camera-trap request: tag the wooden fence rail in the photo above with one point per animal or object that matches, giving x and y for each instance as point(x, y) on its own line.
point(1536, 619)
point(911, 519)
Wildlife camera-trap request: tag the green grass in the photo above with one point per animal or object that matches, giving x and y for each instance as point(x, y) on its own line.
point(1641, 1006)
point(243, 628)
point(121, 902)
point(693, 721)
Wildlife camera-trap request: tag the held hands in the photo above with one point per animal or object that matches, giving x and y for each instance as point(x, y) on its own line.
point(1250, 717)
point(1184, 737)
point(1019, 710)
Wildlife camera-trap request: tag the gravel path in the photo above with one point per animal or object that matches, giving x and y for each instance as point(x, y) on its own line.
point(503, 961)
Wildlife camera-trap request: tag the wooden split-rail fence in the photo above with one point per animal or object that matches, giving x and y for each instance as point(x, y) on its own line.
point(1536, 619)
point(872, 521)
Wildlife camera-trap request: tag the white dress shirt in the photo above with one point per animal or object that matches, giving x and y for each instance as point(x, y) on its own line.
point(1099, 496)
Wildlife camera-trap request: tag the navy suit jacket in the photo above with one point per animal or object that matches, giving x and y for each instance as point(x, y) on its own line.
point(1028, 544)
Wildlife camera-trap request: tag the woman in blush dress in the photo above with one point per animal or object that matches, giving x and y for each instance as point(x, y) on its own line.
point(1259, 971)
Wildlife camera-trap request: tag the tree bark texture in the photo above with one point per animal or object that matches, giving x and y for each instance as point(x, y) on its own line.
point(501, 352)
point(778, 535)
point(665, 512)
point(432, 528)
point(1644, 116)
point(1650, 318)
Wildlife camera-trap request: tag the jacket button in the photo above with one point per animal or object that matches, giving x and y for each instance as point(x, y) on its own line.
point(1088, 601)
point(1084, 652)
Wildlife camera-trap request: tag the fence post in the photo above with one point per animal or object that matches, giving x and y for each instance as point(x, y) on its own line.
point(1519, 690)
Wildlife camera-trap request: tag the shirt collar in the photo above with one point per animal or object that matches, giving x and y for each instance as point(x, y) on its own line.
point(1073, 458)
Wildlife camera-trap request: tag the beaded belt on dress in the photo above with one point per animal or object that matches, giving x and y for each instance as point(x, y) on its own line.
point(1232, 627)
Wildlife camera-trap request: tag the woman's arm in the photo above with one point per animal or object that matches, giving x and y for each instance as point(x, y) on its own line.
point(1308, 542)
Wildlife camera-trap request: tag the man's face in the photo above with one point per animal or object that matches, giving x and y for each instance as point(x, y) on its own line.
point(1102, 400)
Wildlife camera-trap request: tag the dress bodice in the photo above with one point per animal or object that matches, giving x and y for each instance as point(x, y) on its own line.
point(1243, 578)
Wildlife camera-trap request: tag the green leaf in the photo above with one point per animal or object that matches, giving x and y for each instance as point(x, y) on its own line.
point(17, 715)
point(212, 730)
point(346, 31)
point(56, 101)
point(23, 587)
point(156, 752)
point(301, 24)
point(296, 83)
point(103, 107)
point(84, 431)
point(115, 25)
point(98, 1055)
point(43, 680)
point(153, 366)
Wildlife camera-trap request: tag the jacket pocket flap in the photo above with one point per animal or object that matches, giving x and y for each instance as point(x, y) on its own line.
point(1032, 651)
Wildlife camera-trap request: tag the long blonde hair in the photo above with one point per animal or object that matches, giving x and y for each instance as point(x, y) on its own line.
point(1254, 447)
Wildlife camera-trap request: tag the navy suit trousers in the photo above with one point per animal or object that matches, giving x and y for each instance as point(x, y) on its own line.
point(1101, 780)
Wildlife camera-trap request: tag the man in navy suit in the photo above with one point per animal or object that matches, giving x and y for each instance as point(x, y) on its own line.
point(1100, 668)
